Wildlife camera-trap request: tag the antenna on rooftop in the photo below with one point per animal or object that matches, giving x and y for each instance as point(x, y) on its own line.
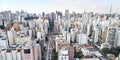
point(111, 8)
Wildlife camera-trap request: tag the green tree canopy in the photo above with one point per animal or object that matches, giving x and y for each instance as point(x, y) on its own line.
point(105, 50)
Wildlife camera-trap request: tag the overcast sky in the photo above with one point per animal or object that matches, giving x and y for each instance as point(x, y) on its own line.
point(38, 6)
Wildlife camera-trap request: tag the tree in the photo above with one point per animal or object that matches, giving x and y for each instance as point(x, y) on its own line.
point(118, 49)
point(114, 51)
point(53, 50)
point(105, 50)
point(54, 55)
point(77, 54)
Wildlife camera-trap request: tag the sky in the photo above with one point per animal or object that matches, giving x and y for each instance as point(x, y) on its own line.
point(38, 6)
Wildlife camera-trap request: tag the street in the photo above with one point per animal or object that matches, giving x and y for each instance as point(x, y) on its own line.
point(49, 48)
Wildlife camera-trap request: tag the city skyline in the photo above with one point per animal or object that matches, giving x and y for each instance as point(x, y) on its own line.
point(38, 6)
point(59, 30)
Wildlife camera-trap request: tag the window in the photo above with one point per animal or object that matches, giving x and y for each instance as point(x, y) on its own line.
point(27, 51)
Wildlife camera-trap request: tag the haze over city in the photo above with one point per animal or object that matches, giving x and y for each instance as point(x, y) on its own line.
point(38, 6)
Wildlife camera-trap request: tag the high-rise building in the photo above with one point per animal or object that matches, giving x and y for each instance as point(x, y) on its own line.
point(56, 27)
point(31, 24)
point(64, 33)
point(77, 37)
point(38, 35)
point(9, 55)
point(67, 14)
point(118, 38)
point(96, 35)
point(46, 25)
point(83, 39)
point(105, 33)
point(19, 54)
point(112, 37)
point(3, 54)
point(74, 14)
point(39, 51)
point(30, 51)
point(85, 18)
point(72, 35)
point(68, 37)
point(1, 21)
point(30, 31)
point(67, 27)
point(11, 37)
point(14, 54)
point(88, 29)
point(63, 54)
point(8, 16)
point(109, 36)
point(3, 43)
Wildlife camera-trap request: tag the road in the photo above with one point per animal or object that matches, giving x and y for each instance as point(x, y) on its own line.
point(49, 48)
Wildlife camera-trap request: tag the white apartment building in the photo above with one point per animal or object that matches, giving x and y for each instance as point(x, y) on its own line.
point(3, 43)
point(96, 35)
point(118, 38)
point(63, 54)
point(11, 36)
point(83, 39)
